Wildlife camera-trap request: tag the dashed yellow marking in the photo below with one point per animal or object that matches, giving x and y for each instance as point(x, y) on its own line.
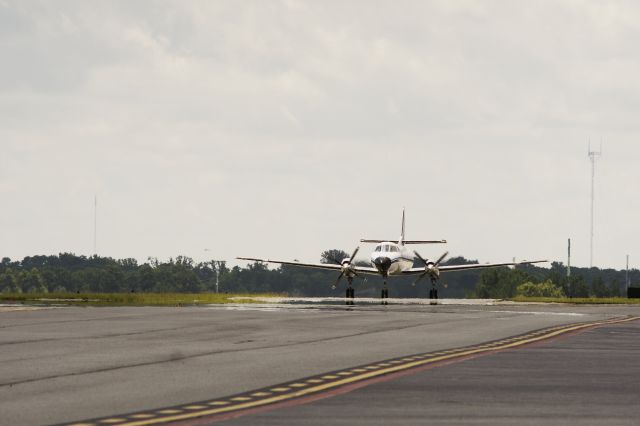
point(261, 394)
point(345, 373)
point(395, 362)
point(195, 407)
point(241, 398)
point(143, 416)
point(366, 373)
point(170, 411)
point(329, 377)
point(83, 424)
point(298, 385)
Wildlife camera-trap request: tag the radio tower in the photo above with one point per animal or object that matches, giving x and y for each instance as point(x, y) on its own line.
point(593, 155)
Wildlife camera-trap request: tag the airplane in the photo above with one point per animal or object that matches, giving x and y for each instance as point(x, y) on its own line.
point(391, 258)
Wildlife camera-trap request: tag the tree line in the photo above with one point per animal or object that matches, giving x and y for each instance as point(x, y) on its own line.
point(68, 272)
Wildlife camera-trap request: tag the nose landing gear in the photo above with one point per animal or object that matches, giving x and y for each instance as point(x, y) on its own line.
point(384, 294)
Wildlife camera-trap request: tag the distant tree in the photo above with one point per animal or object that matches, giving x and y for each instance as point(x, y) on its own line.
point(333, 256)
point(598, 287)
point(499, 283)
point(8, 282)
point(615, 288)
point(31, 281)
point(578, 286)
point(543, 289)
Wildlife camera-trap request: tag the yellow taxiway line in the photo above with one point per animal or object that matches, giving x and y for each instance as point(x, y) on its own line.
point(324, 382)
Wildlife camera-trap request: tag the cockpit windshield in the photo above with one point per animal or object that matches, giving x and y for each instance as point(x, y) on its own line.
point(378, 248)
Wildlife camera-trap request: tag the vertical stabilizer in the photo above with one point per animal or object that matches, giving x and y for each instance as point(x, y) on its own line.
point(401, 242)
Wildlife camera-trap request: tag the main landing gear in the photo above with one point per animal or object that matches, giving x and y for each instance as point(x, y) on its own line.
point(351, 292)
point(384, 294)
point(433, 293)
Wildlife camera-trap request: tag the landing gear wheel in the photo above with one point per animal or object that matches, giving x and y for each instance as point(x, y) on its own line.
point(384, 295)
point(350, 295)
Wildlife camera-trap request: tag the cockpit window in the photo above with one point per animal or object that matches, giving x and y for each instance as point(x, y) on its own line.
point(378, 248)
point(394, 249)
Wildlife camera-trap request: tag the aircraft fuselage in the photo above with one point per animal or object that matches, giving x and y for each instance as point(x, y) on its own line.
point(391, 258)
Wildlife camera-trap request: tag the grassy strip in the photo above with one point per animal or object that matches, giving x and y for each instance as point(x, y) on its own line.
point(580, 301)
point(128, 299)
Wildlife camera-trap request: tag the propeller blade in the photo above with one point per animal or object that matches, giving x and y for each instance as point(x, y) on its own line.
point(353, 255)
point(413, 284)
point(337, 280)
point(441, 258)
point(420, 257)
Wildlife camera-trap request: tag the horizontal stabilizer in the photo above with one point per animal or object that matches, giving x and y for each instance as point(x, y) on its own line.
point(406, 242)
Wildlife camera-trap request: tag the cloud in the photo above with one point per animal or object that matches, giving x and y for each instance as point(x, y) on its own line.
point(286, 128)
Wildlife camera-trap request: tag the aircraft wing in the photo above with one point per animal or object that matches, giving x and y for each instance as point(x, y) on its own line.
point(450, 268)
point(330, 266)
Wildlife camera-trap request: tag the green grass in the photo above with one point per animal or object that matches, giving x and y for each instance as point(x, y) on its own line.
point(580, 301)
point(127, 299)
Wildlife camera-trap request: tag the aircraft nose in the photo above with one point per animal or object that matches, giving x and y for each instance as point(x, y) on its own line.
point(382, 263)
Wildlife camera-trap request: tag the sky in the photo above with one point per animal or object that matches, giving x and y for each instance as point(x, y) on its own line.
point(279, 129)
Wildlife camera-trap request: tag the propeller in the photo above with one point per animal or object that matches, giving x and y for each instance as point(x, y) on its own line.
point(431, 268)
point(346, 267)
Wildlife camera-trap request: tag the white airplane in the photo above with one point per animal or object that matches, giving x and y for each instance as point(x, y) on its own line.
point(392, 259)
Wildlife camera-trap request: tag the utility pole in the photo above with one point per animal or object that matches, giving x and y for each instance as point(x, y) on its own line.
point(569, 268)
point(216, 264)
point(626, 280)
point(593, 155)
point(95, 225)
point(217, 277)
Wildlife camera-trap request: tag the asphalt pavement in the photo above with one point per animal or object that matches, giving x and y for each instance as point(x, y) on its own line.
point(67, 364)
point(591, 378)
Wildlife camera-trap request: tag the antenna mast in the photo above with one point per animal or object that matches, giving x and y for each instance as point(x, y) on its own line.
point(593, 155)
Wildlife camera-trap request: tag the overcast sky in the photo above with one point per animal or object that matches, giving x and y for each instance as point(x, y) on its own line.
point(283, 128)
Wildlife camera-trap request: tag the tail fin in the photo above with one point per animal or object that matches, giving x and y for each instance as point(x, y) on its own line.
point(401, 242)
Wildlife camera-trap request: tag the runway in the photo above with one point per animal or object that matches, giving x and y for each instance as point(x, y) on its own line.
point(66, 365)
